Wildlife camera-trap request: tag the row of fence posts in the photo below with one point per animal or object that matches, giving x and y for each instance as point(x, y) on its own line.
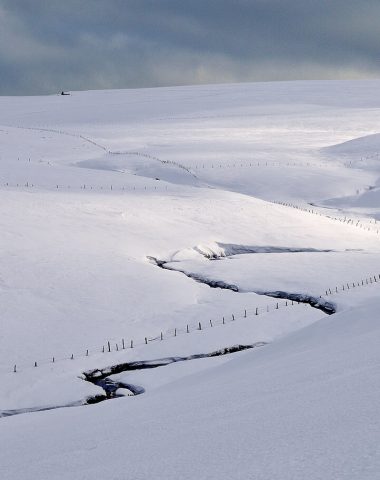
point(107, 348)
point(256, 164)
point(277, 164)
point(87, 187)
point(188, 168)
point(348, 286)
point(348, 221)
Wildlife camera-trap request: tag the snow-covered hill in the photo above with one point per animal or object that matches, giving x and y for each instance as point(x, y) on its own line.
point(119, 209)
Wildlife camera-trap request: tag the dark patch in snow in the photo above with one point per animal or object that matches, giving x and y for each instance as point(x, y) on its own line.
point(198, 278)
point(315, 302)
point(100, 376)
point(10, 413)
point(319, 303)
point(231, 249)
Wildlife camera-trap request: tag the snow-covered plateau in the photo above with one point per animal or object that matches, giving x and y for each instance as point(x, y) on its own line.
point(206, 259)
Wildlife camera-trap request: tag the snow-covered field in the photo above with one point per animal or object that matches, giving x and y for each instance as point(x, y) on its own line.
point(253, 188)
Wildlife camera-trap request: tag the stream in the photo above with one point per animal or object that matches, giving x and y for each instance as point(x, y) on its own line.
point(111, 388)
point(315, 302)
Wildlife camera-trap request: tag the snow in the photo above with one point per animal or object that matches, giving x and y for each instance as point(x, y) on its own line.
point(95, 184)
point(305, 407)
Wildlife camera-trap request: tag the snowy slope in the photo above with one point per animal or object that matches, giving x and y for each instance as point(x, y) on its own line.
point(263, 187)
point(305, 407)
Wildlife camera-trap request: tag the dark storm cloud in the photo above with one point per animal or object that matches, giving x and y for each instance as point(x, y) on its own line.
point(48, 45)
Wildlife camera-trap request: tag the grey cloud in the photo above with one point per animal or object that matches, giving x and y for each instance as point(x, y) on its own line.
point(48, 45)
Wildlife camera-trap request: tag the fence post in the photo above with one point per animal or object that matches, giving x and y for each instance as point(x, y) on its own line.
point(109, 346)
point(187, 328)
point(123, 344)
point(199, 326)
point(257, 311)
point(14, 369)
point(211, 323)
point(146, 341)
point(131, 343)
point(245, 313)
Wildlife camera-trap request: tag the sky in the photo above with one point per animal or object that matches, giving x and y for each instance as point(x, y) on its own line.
point(51, 45)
